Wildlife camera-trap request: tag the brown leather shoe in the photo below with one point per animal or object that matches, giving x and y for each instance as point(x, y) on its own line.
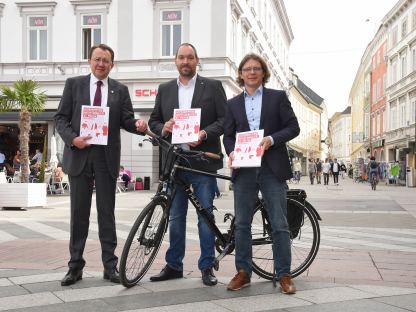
point(286, 285)
point(240, 280)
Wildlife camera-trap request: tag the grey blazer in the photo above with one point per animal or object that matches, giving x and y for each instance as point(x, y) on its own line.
point(68, 117)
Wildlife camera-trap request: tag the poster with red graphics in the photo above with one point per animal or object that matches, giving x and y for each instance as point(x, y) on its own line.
point(94, 122)
point(186, 127)
point(247, 150)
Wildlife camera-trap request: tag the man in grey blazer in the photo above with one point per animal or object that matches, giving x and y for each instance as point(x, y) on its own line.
point(88, 165)
point(190, 90)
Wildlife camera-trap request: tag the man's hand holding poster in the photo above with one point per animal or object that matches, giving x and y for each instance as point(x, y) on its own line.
point(187, 124)
point(247, 151)
point(94, 122)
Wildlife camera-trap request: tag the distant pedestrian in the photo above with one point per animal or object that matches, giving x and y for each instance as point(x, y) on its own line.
point(326, 168)
point(335, 168)
point(311, 170)
point(343, 170)
point(217, 191)
point(318, 170)
point(297, 167)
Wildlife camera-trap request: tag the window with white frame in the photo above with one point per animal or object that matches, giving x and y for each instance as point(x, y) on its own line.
point(394, 71)
point(383, 91)
point(171, 29)
point(378, 88)
point(37, 38)
point(366, 124)
point(393, 116)
point(374, 93)
point(412, 109)
point(373, 125)
point(91, 32)
point(36, 29)
point(413, 58)
point(402, 111)
point(384, 121)
point(243, 42)
point(403, 65)
point(404, 27)
point(234, 39)
point(394, 36)
point(378, 125)
point(414, 19)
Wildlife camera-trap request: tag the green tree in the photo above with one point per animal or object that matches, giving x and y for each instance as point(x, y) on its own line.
point(23, 96)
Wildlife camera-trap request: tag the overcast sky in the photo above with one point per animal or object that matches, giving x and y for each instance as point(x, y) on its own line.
point(330, 38)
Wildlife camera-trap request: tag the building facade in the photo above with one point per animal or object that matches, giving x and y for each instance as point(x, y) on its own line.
point(51, 39)
point(340, 133)
point(307, 106)
point(378, 96)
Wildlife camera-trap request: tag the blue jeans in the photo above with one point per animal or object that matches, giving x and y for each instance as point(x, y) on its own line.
point(246, 187)
point(204, 189)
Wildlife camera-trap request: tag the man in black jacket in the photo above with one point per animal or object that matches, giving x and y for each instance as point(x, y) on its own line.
point(190, 90)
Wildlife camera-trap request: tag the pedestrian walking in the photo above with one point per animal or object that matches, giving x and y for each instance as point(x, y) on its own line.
point(335, 168)
point(326, 169)
point(311, 170)
point(318, 171)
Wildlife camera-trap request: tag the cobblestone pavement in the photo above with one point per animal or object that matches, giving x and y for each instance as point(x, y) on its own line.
point(366, 261)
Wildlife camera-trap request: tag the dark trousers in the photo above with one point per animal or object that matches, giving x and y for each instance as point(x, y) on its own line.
point(95, 170)
point(326, 178)
point(335, 174)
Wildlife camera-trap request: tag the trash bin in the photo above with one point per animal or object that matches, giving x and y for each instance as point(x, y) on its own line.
point(410, 177)
point(147, 183)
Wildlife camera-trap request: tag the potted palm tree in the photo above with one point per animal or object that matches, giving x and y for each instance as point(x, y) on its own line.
point(24, 97)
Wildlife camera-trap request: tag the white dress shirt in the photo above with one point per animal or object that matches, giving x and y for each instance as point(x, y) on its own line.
point(104, 90)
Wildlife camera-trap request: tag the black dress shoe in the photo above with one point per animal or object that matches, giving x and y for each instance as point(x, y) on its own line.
point(71, 277)
point(167, 273)
point(112, 275)
point(208, 277)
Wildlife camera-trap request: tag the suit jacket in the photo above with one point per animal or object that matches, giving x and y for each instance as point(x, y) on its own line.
point(278, 121)
point(208, 95)
point(68, 118)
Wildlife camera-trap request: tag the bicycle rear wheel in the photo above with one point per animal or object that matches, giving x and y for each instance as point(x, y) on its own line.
point(305, 239)
point(143, 242)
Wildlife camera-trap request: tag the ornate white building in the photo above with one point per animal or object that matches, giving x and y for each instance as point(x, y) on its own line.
point(49, 42)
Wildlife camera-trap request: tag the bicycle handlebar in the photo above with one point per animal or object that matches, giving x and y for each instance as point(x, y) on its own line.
point(207, 154)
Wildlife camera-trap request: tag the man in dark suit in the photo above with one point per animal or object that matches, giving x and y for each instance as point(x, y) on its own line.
point(260, 108)
point(87, 164)
point(190, 90)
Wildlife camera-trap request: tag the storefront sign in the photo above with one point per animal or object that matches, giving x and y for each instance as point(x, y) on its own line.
point(145, 92)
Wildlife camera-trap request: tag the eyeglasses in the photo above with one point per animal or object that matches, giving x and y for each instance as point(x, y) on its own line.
point(103, 61)
point(251, 69)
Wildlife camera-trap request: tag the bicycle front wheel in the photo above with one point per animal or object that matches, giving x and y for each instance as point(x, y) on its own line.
point(143, 242)
point(305, 238)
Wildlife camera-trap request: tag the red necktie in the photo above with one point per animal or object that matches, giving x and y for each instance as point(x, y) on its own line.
point(97, 97)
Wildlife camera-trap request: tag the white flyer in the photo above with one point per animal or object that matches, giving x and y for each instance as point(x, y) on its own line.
point(94, 122)
point(247, 151)
point(187, 124)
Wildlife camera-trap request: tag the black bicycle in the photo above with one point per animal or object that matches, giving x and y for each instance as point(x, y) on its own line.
point(146, 235)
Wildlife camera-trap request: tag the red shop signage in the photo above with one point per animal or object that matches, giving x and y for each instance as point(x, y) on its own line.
point(145, 92)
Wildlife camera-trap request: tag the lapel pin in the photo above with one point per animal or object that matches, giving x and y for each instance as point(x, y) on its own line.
point(112, 91)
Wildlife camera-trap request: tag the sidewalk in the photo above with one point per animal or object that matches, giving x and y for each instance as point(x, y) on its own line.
point(347, 279)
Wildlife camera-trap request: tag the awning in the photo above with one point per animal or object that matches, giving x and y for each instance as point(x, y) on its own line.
point(14, 116)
